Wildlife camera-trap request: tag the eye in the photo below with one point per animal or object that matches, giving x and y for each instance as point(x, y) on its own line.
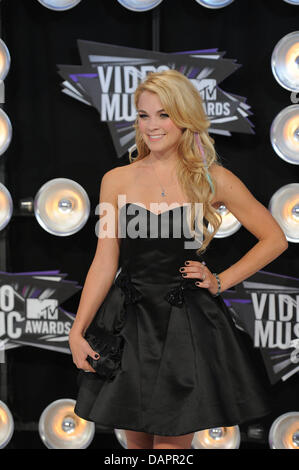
point(142, 116)
point(164, 115)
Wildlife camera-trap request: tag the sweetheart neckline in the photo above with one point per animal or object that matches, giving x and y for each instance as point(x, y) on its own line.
point(168, 210)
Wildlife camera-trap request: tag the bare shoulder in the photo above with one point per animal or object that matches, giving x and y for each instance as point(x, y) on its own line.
point(116, 175)
point(116, 180)
point(227, 184)
point(217, 170)
point(238, 199)
point(226, 181)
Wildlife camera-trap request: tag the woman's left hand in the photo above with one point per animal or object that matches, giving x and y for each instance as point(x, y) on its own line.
point(197, 270)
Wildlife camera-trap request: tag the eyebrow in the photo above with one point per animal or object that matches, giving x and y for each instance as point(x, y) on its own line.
point(142, 111)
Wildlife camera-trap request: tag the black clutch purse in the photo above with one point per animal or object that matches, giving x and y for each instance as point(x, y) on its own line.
point(110, 349)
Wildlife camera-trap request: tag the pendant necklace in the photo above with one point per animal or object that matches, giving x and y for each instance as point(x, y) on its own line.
point(163, 193)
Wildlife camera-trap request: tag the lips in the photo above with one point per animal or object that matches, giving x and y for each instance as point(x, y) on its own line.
point(156, 137)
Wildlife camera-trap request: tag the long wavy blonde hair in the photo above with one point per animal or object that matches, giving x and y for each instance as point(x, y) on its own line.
point(183, 103)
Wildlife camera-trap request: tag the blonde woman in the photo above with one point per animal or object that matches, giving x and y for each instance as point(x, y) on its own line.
point(159, 354)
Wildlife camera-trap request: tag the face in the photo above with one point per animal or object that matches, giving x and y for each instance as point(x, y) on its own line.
point(158, 131)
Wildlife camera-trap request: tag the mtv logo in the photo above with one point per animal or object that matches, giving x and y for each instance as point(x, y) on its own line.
point(42, 309)
point(207, 88)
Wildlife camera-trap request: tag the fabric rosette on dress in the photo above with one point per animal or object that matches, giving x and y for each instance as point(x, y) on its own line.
point(175, 296)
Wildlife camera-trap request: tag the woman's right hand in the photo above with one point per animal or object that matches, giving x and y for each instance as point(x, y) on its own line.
point(80, 349)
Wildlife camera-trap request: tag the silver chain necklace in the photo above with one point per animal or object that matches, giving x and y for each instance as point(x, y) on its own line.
point(163, 193)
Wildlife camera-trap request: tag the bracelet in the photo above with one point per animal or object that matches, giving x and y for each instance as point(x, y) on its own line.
point(219, 285)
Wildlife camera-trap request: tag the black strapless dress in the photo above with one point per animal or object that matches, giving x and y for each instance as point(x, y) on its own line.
point(183, 365)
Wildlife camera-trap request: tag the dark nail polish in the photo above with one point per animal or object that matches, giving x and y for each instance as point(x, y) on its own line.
point(187, 263)
point(96, 356)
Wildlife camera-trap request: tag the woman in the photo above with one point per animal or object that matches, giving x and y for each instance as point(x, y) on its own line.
point(183, 365)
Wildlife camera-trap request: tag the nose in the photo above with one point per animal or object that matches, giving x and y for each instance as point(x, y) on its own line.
point(152, 124)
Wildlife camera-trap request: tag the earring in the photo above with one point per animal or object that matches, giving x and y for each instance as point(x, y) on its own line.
point(131, 150)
